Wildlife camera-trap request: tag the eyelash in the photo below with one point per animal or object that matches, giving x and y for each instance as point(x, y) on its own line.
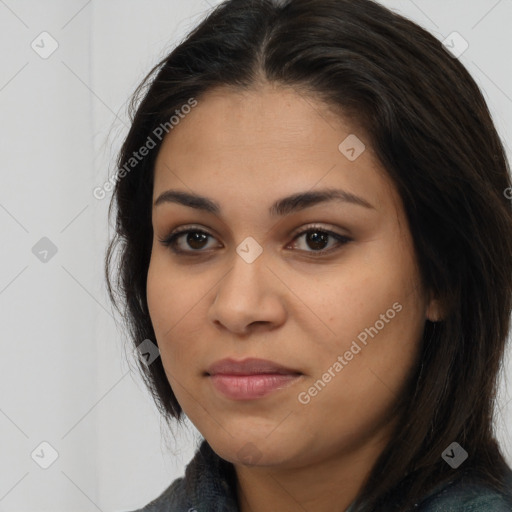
point(170, 240)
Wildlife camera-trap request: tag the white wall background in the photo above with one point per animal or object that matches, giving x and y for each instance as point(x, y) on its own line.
point(65, 378)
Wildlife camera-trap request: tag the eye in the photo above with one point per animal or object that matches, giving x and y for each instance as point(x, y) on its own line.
point(317, 238)
point(197, 239)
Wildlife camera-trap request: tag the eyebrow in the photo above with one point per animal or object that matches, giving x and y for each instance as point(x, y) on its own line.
point(281, 207)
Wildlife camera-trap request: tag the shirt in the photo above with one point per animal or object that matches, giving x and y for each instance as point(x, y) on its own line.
point(209, 485)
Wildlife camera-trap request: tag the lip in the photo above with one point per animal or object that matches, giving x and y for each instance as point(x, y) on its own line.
point(251, 378)
point(250, 366)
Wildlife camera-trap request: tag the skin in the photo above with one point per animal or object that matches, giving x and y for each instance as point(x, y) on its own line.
point(245, 151)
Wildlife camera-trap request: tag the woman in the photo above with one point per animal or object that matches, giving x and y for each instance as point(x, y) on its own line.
point(314, 232)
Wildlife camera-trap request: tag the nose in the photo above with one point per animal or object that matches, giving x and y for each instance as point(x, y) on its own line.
point(249, 297)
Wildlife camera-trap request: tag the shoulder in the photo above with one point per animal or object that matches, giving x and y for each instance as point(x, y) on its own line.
point(170, 500)
point(207, 485)
point(468, 496)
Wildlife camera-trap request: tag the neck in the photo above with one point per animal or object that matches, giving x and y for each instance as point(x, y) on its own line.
point(315, 486)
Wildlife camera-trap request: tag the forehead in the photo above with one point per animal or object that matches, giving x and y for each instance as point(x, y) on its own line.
point(267, 142)
point(266, 117)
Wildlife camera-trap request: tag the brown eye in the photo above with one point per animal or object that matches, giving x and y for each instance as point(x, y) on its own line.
point(193, 239)
point(317, 239)
point(196, 239)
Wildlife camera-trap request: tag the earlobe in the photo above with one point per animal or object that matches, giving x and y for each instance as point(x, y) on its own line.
point(435, 310)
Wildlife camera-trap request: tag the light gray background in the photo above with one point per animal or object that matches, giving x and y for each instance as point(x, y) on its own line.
point(64, 375)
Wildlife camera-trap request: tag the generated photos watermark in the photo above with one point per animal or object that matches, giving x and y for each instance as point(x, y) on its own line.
point(158, 133)
point(304, 397)
point(454, 455)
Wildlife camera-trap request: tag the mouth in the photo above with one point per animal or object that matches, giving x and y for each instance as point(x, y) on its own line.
point(250, 379)
point(251, 366)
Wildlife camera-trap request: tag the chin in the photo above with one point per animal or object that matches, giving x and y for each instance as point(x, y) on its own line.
point(247, 452)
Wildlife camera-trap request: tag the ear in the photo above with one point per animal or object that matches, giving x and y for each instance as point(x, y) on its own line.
point(435, 308)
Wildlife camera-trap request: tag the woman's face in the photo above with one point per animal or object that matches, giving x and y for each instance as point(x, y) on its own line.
point(248, 284)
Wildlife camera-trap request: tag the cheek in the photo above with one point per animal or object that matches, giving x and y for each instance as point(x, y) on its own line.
point(159, 300)
point(170, 294)
point(175, 302)
point(378, 295)
point(165, 309)
point(376, 312)
point(377, 357)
